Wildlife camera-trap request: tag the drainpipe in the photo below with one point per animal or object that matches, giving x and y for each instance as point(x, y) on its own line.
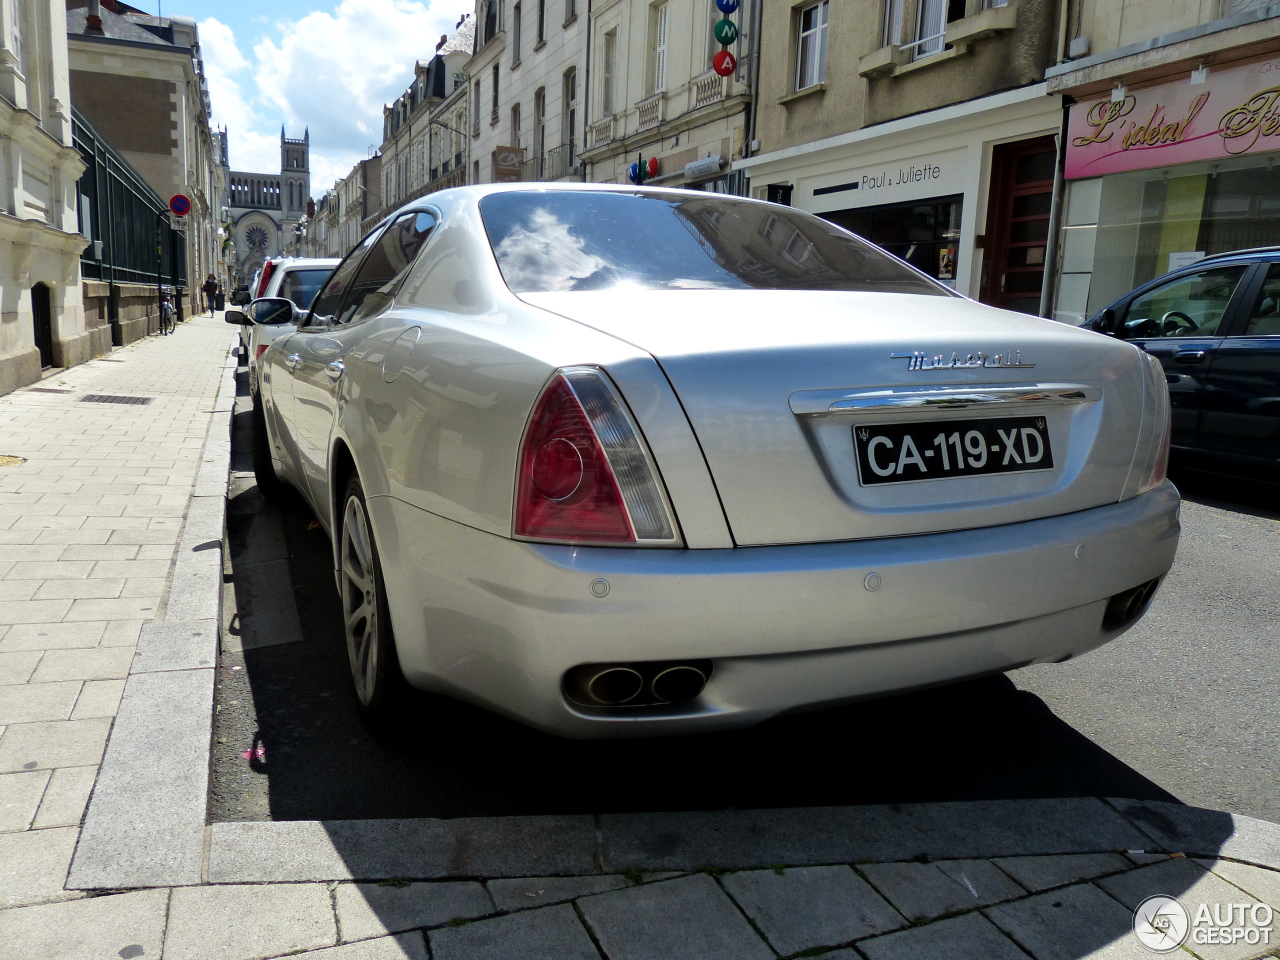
point(586, 88)
point(753, 54)
point(1051, 266)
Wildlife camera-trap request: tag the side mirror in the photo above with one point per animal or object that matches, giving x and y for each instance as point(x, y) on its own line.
point(236, 317)
point(270, 310)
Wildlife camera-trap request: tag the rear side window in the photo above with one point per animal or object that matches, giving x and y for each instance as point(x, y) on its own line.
point(580, 240)
point(388, 261)
point(301, 286)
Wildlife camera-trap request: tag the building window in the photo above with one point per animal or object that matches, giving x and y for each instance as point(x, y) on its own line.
point(493, 116)
point(515, 35)
point(932, 18)
point(540, 122)
point(475, 109)
point(811, 54)
point(542, 20)
point(569, 108)
point(515, 125)
point(892, 23)
point(606, 72)
point(658, 28)
point(570, 10)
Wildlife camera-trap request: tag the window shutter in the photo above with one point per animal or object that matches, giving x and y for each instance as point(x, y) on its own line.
point(660, 60)
point(713, 45)
point(606, 95)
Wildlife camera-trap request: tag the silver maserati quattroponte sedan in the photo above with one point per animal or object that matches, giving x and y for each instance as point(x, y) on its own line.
point(619, 461)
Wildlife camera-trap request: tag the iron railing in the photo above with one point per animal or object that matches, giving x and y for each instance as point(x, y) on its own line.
point(120, 211)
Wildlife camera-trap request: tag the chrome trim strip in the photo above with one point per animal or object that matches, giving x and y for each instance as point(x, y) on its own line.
point(892, 401)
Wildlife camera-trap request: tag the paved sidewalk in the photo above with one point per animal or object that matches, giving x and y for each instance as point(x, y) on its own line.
point(110, 572)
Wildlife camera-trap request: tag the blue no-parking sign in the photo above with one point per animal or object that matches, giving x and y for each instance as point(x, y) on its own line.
point(179, 205)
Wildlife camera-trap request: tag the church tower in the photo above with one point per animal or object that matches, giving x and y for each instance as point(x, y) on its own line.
point(295, 174)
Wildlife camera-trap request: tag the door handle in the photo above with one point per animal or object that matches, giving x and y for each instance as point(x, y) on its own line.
point(291, 360)
point(1189, 356)
point(334, 370)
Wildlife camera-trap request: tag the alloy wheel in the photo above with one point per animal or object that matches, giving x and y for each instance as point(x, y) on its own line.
point(360, 599)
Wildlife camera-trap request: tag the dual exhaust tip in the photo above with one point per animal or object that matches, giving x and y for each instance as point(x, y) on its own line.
point(1125, 609)
point(636, 684)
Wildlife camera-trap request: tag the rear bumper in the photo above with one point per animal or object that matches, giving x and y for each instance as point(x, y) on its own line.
point(498, 622)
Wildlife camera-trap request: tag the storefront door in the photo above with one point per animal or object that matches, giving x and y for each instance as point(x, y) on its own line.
point(1018, 224)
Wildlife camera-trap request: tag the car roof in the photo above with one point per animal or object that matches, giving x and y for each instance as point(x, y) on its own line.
point(296, 262)
point(1253, 253)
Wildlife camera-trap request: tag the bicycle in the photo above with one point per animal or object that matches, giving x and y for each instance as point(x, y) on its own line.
point(166, 319)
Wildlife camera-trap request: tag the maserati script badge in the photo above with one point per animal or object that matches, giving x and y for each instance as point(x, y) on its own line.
point(919, 360)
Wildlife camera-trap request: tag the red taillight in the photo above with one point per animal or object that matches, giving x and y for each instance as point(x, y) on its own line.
point(262, 348)
point(268, 268)
point(567, 490)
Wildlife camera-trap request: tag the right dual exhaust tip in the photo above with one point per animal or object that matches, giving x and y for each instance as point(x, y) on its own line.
point(634, 685)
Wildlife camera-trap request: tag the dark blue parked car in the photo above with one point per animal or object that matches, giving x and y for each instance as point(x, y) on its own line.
point(1215, 326)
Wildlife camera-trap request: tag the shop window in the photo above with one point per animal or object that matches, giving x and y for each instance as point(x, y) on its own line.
point(811, 54)
point(925, 233)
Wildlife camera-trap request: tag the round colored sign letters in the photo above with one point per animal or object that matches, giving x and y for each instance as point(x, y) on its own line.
point(726, 32)
point(727, 6)
point(724, 63)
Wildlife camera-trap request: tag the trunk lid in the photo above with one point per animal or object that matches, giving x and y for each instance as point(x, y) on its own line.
point(779, 386)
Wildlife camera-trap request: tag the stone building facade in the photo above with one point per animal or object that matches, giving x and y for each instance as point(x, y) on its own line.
point(925, 126)
point(42, 317)
point(139, 80)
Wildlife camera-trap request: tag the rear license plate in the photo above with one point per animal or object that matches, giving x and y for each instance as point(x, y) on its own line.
point(936, 450)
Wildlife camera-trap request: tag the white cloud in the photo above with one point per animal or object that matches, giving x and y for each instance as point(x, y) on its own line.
point(330, 72)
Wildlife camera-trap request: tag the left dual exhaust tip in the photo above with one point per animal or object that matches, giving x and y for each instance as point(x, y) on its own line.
point(636, 684)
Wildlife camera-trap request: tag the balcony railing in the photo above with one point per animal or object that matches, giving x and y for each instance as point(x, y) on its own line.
point(561, 162)
point(652, 111)
point(600, 133)
point(708, 89)
point(531, 169)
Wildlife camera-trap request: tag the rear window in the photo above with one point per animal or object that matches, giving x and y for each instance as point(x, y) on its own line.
point(580, 240)
point(301, 286)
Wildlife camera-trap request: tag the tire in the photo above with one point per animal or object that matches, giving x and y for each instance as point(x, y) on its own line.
point(380, 687)
point(269, 485)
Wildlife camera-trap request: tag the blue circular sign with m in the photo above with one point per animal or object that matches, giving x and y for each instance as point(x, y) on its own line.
point(179, 205)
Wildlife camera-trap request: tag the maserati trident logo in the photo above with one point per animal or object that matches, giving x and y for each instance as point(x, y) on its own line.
point(919, 360)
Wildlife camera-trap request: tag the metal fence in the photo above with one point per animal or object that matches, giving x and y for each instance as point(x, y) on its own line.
point(126, 220)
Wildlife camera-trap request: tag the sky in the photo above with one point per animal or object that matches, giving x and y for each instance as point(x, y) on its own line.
point(329, 65)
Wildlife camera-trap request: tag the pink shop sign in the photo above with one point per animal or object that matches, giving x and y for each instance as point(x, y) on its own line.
point(1235, 112)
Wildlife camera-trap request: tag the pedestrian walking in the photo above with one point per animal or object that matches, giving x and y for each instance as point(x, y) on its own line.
point(210, 289)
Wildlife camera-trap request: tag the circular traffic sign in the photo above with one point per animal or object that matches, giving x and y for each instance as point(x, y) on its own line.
point(726, 32)
point(179, 205)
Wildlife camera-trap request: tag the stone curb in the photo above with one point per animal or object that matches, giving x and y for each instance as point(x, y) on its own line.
point(146, 821)
point(146, 824)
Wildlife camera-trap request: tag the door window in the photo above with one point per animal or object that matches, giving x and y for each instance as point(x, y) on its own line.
point(1264, 319)
point(1190, 306)
point(325, 308)
point(388, 261)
